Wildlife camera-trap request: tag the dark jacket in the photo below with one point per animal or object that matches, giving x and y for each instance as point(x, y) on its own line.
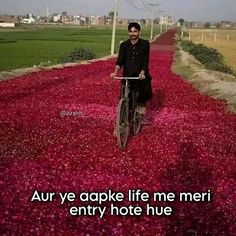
point(134, 58)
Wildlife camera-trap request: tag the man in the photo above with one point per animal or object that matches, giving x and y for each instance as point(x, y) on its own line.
point(134, 58)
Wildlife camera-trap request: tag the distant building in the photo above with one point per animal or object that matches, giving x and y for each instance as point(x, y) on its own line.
point(109, 20)
point(56, 18)
point(165, 20)
point(29, 19)
point(122, 22)
point(178, 24)
point(148, 22)
point(42, 19)
point(64, 17)
point(134, 20)
point(78, 20)
point(194, 24)
point(67, 19)
point(102, 20)
point(143, 21)
point(226, 24)
point(84, 20)
point(7, 21)
point(94, 20)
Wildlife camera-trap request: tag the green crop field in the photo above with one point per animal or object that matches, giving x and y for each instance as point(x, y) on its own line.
point(33, 45)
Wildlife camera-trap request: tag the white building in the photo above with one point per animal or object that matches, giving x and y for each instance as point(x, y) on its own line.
point(83, 20)
point(56, 18)
point(94, 20)
point(7, 21)
point(77, 20)
point(165, 20)
point(28, 21)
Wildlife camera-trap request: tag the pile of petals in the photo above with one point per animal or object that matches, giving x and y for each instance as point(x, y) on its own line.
point(56, 135)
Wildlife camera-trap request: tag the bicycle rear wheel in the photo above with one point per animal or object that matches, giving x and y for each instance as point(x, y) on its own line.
point(136, 117)
point(122, 123)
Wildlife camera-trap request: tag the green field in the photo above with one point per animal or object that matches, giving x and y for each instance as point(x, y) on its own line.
point(34, 45)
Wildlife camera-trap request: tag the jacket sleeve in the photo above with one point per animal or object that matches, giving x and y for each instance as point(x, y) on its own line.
point(121, 56)
point(145, 64)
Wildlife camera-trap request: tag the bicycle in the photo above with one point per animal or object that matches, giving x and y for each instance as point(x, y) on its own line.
point(126, 112)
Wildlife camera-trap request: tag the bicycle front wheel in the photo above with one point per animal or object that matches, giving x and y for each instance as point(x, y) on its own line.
point(122, 123)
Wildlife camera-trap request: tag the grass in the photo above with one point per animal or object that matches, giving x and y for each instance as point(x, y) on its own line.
point(32, 45)
point(227, 48)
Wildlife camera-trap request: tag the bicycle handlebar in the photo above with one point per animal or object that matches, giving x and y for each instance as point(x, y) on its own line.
point(127, 78)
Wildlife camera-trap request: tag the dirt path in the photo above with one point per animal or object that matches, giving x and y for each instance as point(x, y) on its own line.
point(216, 84)
point(188, 146)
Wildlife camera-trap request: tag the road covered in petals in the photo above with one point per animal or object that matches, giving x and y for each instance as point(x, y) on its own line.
point(56, 135)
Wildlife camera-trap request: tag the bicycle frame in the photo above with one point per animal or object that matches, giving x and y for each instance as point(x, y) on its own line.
point(126, 83)
point(125, 114)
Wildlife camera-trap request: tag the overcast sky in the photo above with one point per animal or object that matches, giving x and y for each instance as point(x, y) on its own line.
point(190, 10)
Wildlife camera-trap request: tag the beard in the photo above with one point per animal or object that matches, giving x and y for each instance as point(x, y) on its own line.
point(133, 37)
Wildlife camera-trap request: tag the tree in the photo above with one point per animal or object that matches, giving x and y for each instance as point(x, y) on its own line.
point(218, 25)
point(207, 25)
point(181, 21)
point(156, 21)
point(18, 18)
point(111, 14)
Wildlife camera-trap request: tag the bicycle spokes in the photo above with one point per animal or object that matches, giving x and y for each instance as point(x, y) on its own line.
point(122, 124)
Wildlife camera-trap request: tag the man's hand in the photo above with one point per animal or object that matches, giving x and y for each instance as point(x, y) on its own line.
point(142, 75)
point(113, 75)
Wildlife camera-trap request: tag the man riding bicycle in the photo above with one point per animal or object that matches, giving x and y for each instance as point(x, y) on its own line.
point(134, 58)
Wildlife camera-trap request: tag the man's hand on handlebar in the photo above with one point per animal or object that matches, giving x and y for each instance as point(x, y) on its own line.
point(142, 75)
point(113, 75)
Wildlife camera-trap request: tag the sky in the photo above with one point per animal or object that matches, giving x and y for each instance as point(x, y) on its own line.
point(190, 10)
